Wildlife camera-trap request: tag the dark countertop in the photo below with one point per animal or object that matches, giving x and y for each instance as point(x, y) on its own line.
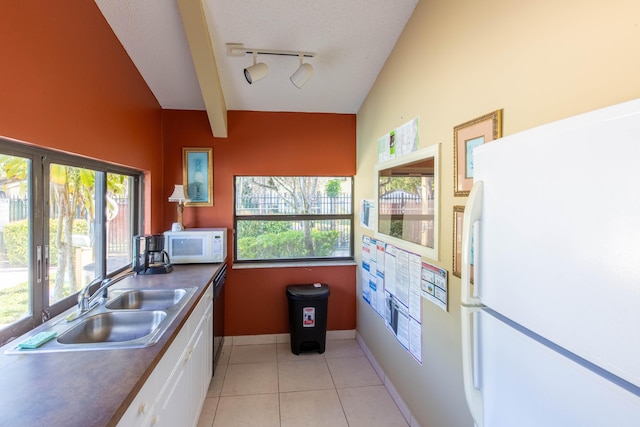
point(90, 388)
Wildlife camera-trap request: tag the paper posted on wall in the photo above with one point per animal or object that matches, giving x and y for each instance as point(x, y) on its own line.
point(400, 141)
point(367, 214)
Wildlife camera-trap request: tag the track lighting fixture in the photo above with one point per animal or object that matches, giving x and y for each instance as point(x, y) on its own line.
point(259, 70)
point(302, 74)
point(256, 71)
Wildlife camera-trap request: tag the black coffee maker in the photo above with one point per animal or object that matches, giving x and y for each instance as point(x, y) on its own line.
point(149, 256)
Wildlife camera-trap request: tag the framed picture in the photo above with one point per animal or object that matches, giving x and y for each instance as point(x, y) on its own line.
point(466, 137)
point(458, 214)
point(197, 171)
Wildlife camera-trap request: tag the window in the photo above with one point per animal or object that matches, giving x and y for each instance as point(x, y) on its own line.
point(54, 242)
point(295, 218)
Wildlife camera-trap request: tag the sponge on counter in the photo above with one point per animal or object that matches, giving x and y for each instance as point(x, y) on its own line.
point(38, 339)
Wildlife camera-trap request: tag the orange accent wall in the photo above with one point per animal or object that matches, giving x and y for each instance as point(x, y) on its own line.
point(67, 83)
point(266, 143)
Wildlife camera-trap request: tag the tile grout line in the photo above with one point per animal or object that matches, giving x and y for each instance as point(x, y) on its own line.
point(335, 388)
point(224, 377)
point(344, 412)
point(279, 394)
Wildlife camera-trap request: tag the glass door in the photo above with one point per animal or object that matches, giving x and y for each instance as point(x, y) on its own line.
point(16, 250)
point(72, 217)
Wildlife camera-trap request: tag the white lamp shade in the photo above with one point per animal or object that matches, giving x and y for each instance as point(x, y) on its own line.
point(179, 195)
point(302, 74)
point(256, 72)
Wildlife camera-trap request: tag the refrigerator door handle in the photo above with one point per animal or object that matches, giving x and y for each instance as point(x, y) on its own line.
point(469, 364)
point(470, 304)
point(472, 214)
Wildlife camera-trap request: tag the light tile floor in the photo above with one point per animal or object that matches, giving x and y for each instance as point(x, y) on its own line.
point(266, 385)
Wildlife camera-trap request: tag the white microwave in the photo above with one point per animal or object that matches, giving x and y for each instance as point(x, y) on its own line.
point(196, 245)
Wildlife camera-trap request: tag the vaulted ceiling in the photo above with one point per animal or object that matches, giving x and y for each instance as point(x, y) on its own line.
point(179, 47)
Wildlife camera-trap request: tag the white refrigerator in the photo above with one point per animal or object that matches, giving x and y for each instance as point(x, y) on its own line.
point(551, 323)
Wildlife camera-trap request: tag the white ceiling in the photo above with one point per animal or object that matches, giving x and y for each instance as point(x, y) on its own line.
point(351, 39)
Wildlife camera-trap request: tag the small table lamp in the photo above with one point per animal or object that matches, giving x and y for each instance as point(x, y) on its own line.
point(179, 196)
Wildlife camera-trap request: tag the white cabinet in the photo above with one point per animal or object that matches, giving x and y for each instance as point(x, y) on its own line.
point(196, 373)
point(207, 344)
point(202, 360)
point(142, 410)
point(175, 391)
point(172, 406)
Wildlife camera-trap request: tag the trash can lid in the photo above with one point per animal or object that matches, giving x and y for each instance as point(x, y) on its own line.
point(308, 291)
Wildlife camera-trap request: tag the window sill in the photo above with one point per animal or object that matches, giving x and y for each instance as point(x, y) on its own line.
point(250, 265)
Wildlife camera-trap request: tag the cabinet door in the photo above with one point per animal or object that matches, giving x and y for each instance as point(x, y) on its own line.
point(200, 364)
point(208, 345)
point(197, 373)
point(172, 406)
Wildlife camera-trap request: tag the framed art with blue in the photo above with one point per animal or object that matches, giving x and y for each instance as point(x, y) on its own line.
point(466, 137)
point(197, 170)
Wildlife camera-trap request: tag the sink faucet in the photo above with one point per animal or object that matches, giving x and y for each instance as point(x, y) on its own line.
point(87, 302)
point(84, 295)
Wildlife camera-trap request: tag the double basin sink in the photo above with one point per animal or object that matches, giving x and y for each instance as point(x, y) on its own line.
point(130, 318)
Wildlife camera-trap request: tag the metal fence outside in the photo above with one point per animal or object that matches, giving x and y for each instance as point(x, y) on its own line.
point(274, 204)
point(119, 227)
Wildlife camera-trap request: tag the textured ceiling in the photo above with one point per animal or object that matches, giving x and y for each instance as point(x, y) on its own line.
point(351, 39)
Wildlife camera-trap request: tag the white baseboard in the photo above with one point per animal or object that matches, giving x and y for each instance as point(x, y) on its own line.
point(282, 338)
point(404, 409)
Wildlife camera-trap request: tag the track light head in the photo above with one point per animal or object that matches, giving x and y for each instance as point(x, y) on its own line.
point(256, 71)
point(302, 74)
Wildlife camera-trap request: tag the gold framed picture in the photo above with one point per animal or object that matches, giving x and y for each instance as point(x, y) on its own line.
point(466, 137)
point(458, 215)
point(197, 171)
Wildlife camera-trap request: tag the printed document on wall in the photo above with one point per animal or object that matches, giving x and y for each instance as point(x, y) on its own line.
point(372, 278)
point(400, 141)
point(434, 285)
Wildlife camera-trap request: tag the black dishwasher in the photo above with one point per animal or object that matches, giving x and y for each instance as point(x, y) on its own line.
point(218, 314)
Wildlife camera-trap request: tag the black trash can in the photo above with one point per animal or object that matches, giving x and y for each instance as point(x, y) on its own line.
point(308, 316)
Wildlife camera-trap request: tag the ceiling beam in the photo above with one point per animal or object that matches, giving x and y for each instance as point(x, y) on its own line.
point(204, 60)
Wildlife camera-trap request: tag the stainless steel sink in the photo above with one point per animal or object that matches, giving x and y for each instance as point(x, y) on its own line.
point(112, 326)
point(131, 318)
point(147, 299)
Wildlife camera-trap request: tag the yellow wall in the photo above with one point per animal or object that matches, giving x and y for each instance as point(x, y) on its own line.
point(456, 60)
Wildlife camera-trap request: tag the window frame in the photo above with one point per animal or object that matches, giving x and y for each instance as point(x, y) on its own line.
point(38, 216)
point(294, 217)
point(432, 151)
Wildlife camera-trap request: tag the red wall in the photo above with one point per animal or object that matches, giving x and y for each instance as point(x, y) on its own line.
point(271, 144)
point(67, 83)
